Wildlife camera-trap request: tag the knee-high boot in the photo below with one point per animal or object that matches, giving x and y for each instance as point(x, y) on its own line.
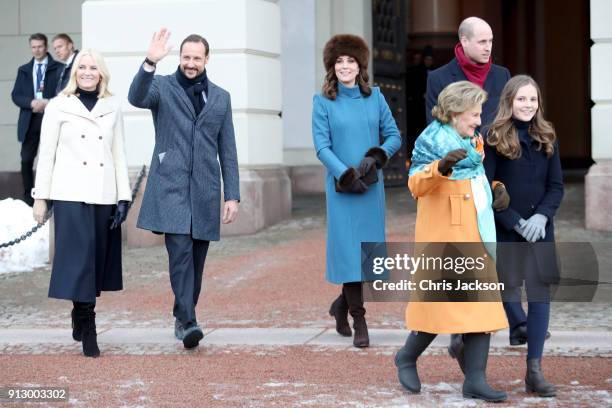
point(476, 352)
point(86, 317)
point(339, 310)
point(406, 357)
point(352, 291)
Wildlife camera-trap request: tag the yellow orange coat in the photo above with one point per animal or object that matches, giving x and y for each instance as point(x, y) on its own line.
point(446, 213)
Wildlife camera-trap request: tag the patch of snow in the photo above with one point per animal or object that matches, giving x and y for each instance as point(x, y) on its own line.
point(15, 220)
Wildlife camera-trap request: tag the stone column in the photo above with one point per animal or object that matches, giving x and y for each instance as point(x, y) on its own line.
point(598, 181)
point(244, 37)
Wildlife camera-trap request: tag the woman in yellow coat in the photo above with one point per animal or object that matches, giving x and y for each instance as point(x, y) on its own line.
point(454, 204)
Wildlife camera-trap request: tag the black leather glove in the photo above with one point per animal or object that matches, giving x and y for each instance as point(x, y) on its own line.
point(350, 183)
point(371, 177)
point(501, 199)
point(379, 155)
point(367, 164)
point(368, 170)
point(120, 213)
point(451, 158)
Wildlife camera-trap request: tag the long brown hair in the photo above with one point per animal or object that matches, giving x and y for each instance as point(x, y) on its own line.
point(503, 134)
point(330, 83)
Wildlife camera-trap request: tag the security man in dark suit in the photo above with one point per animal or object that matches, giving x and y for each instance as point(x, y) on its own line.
point(63, 46)
point(36, 83)
point(472, 63)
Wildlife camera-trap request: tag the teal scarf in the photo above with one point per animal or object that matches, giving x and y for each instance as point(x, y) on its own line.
point(433, 144)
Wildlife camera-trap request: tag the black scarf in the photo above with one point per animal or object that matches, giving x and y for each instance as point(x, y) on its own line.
point(194, 88)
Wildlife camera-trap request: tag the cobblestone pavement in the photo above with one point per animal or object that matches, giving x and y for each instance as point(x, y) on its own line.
point(275, 279)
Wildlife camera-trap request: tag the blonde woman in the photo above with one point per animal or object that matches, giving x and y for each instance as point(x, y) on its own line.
point(454, 204)
point(82, 170)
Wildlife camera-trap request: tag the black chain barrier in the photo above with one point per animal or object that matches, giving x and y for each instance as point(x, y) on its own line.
point(50, 213)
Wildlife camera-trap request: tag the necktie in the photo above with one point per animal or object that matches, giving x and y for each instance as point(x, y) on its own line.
point(39, 77)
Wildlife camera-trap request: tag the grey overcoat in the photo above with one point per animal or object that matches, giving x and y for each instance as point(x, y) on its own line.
point(183, 192)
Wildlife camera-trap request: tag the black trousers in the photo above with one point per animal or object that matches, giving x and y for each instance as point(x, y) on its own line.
point(186, 257)
point(29, 149)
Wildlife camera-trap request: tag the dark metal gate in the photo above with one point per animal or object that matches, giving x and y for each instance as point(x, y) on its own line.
point(389, 43)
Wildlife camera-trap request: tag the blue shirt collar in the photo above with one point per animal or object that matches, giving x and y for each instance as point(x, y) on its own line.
point(353, 92)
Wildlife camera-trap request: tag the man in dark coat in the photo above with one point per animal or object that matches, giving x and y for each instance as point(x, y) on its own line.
point(35, 84)
point(65, 52)
point(472, 63)
point(193, 125)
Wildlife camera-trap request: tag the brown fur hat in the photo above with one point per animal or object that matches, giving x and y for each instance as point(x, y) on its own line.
point(346, 44)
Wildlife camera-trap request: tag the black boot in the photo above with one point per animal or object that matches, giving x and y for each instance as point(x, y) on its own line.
point(535, 381)
point(352, 292)
point(77, 331)
point(86, 318)
point(476, 354)
point(406, 357)
point(455, 349)
point(339, 310)
point(518, 335)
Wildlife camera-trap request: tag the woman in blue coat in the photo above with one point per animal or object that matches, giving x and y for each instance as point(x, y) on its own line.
point(347, 120)
point(522, 152)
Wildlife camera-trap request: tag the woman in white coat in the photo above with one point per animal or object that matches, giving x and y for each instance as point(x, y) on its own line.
point(82, 169)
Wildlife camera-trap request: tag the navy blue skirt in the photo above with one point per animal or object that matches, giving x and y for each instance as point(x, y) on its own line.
point(87, 252)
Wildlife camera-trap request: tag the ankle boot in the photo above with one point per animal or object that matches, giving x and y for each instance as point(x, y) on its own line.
point(518, 335)
point(455, 350)
point(339, 310)
point(86, 318)
point(77, 331)
point(535, 381)
point(476, 351)
point(406, 357)
point(355, 303)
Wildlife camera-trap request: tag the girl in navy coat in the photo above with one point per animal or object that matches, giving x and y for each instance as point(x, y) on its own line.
point(522, 152)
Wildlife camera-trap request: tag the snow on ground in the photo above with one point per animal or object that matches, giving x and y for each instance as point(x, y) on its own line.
point(15, 220)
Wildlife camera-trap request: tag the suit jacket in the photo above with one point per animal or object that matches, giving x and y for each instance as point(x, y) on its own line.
point(183, 191)
point(23, 91)
point(440, 78)
point(82, 153)
point(64, 74)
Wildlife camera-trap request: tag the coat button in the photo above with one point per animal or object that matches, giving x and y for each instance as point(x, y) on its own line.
point(100, 137)
point(84, 163)
point(466, 197)
point(101, 164)
point(82, 136)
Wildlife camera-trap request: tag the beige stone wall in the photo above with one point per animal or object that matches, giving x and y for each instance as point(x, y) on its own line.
point(19, 19)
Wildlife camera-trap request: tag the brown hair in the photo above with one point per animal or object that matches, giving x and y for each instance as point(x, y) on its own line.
point(38, 37)
point(330, 84)
point(457, 98)
point(195, 38)
point(503, 134)
point(63, 36)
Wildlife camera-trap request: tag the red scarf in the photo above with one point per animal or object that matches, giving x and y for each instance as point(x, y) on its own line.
point(475, 73)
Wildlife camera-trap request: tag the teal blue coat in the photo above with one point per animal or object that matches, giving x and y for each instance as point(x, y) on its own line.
point(343, 130)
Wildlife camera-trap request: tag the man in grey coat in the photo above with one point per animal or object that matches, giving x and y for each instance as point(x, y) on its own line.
point(193, 125)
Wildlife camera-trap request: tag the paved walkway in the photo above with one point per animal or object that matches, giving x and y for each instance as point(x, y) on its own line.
point(269, 339)
point(594, 343)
